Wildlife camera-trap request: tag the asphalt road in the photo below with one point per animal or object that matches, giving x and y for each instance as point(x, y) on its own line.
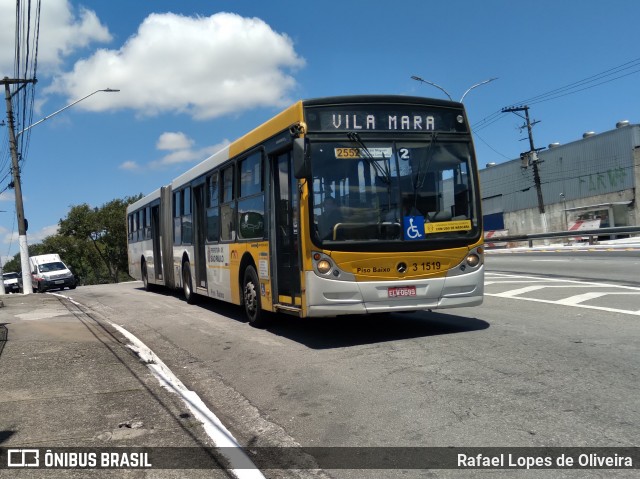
point(622, 267)
point(549, 359)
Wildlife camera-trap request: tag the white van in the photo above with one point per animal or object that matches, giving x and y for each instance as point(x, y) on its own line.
point(49, 272)
point(11, 284)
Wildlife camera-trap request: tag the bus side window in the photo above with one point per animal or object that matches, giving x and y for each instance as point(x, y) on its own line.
point(251, 199)
point(187, 227)
point(177, 221)
point(227, 209)
point(213, 200)
point(130, 228)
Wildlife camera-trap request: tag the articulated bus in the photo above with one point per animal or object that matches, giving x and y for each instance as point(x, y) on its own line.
point(336, 206)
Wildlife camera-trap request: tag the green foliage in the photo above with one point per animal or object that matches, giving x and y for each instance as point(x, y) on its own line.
point(91, 241)
point(13, 265)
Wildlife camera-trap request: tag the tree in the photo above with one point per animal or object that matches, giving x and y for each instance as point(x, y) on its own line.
point(91, 241)
point(13, 265)
point(104, 231)
point(113, 220)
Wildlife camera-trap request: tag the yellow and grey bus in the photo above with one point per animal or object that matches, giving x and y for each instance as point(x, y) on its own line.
point(335, 206)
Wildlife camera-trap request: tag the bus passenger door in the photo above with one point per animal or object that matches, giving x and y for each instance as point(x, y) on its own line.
point(199, 233)
point(155, 239)
point(285, 231)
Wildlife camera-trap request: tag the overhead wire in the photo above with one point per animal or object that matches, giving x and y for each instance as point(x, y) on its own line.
point(27, 36)
point(601, 78)
point(579, 85)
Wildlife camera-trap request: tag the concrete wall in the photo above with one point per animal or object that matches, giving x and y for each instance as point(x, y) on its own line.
point(530, 220)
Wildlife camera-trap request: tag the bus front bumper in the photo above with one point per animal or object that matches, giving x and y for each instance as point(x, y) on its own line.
point(328, 297)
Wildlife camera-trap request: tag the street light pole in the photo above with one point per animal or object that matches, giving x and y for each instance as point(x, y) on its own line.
point(422, 80)
point(107, 90)
point(476, 85)
point(432, 84)
point(13, 145)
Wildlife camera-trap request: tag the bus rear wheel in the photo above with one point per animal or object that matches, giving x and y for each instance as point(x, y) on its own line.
point(251, 297)
point(145, 276)
point(187, 286)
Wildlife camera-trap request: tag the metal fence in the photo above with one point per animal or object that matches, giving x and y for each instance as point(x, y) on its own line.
point(592, 236)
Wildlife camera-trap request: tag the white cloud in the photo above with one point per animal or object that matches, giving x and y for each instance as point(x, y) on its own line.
point(63, 31)
point(205, 67)
point(186, 154)
point(38, 236)
point(173, 141)
point(180, 150)
point(7, 196)
point(129, 165)
point(33, 237)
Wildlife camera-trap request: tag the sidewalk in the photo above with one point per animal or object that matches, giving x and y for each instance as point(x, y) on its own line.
point(627, 244)
point(67, 380)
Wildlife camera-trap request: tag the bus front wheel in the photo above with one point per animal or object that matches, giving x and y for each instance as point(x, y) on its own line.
point(251, 292)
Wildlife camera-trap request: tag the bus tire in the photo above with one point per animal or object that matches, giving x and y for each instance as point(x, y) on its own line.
point(187, 286)
point(145, 276)
point(251, 298)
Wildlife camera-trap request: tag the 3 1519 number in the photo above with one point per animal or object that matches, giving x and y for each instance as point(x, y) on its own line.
point(428, 266)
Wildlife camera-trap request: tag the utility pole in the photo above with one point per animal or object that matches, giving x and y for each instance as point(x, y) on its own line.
point(532, 155)
point(22, 224)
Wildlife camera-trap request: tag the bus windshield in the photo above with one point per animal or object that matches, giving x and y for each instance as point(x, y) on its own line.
point(366, 191)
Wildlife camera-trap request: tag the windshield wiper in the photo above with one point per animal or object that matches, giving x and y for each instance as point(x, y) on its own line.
point(385, 176)
point(419, 181)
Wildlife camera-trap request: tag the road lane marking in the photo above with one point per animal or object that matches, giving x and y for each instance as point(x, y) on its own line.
point(555, 284)
point(515, 292)
point(585, 306)
point(560, 280)
point(580, 298)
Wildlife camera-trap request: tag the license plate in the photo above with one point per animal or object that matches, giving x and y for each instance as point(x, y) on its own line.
point(402, 291)
point(59, 282)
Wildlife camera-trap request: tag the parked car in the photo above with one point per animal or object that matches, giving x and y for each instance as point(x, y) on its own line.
point(11, 282)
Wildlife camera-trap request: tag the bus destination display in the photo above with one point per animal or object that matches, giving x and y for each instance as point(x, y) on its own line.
point(393, 118)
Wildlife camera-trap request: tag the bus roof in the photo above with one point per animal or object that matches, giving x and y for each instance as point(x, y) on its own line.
point(154, 195)
point(401, 99)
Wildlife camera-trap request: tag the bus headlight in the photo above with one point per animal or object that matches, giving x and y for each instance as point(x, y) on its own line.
point(324, 266)
point(473, 260)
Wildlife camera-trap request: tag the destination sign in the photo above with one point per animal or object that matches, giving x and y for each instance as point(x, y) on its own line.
point(398, 118)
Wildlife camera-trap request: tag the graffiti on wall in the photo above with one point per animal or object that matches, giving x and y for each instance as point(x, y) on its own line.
point(603, 181)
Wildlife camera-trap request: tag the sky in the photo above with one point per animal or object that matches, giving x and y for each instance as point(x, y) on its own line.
point(194, 75)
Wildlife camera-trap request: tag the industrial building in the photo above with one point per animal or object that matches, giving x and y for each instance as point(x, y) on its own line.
point(589, 183)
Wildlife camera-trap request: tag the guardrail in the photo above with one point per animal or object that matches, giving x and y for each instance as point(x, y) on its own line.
point(592, 235)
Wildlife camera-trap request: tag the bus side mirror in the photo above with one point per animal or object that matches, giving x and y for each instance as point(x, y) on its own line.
point(301, 159)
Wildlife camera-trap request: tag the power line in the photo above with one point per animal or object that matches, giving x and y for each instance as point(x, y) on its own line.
point(576, 86)
point(475, 133)
point(569, 89)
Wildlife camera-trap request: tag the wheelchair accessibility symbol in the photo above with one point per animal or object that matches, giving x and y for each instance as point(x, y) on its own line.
point(413, 227)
